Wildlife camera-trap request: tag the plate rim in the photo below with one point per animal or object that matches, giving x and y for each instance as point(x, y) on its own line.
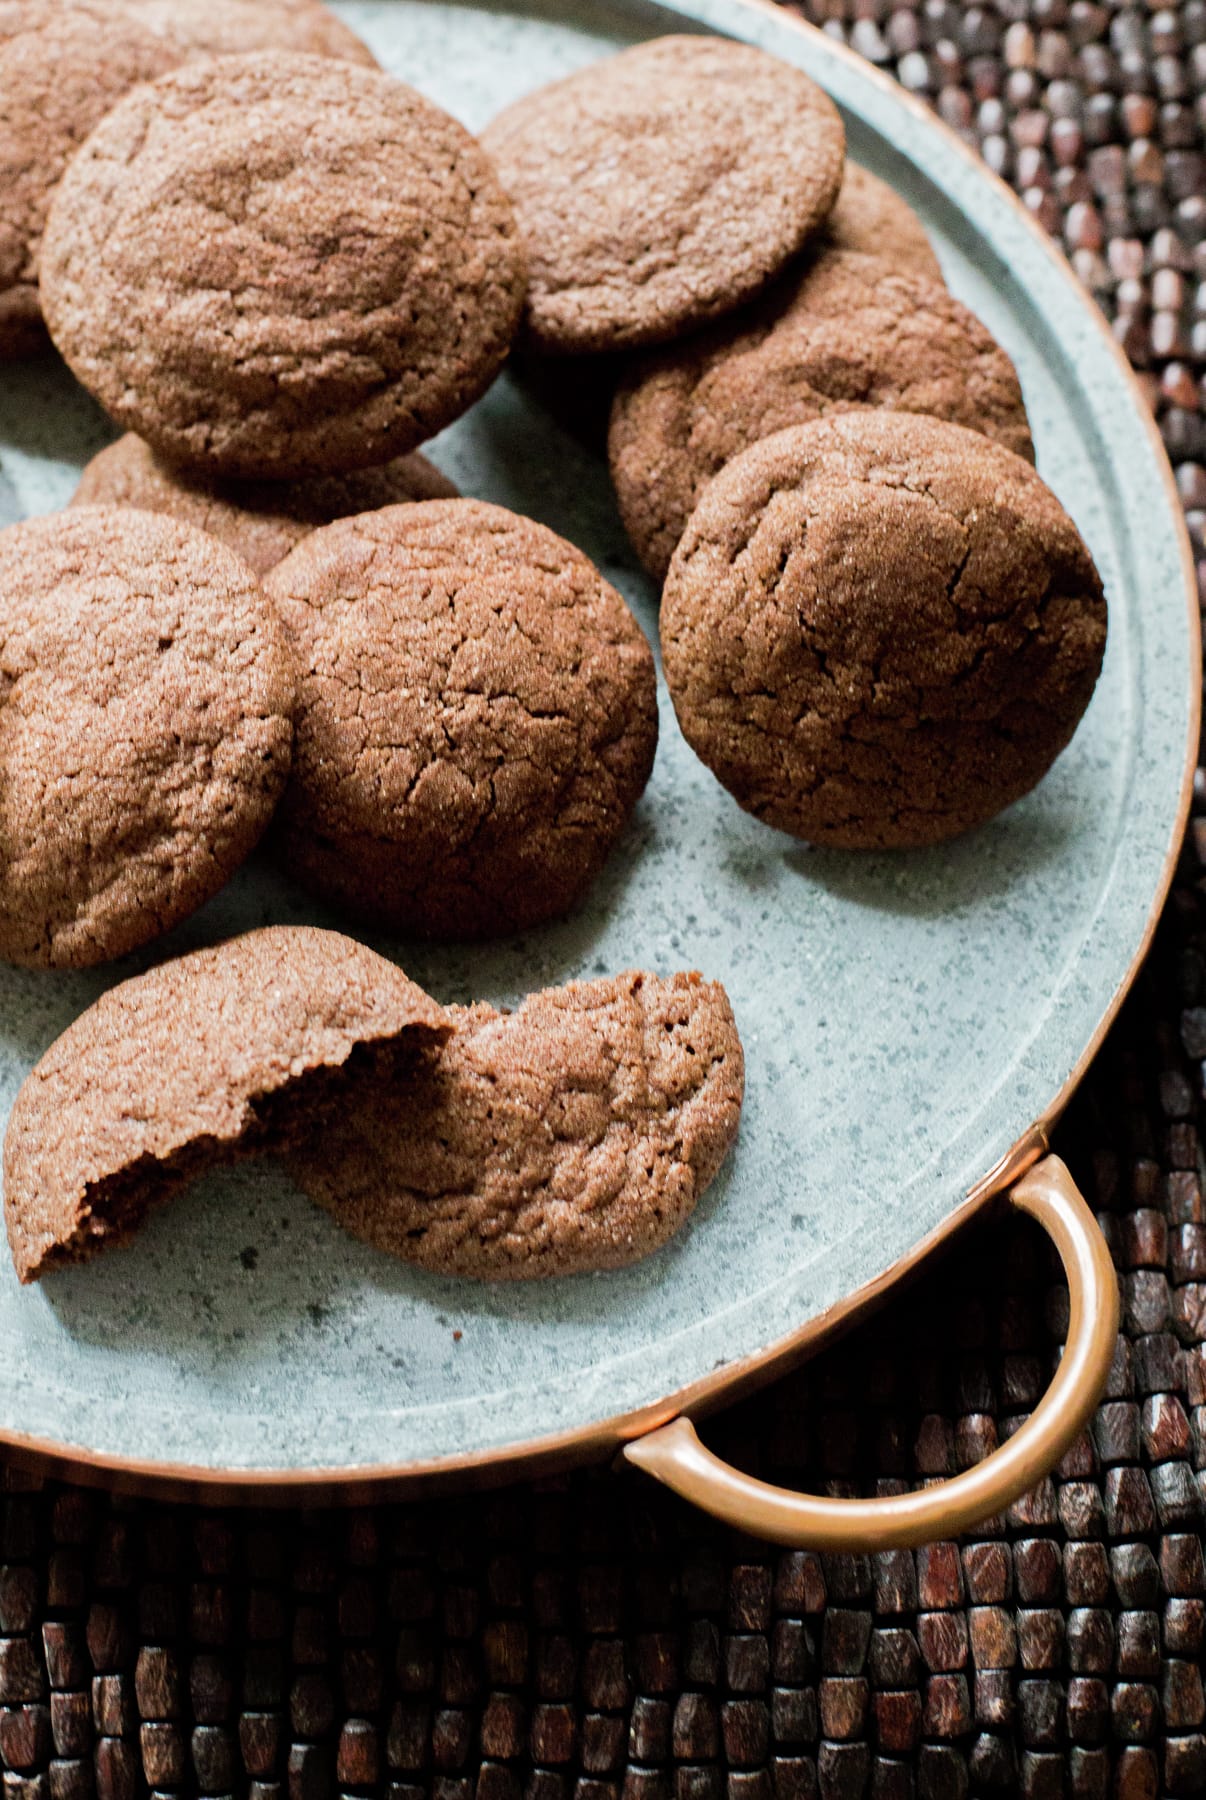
point(596, 1441)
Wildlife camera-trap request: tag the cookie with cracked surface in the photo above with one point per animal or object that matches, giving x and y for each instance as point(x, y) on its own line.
point(230, 27)
point(477, 718)
point(213, 1054)
point(574, 1134)
point(262, 520)
point(146, 704)
point(871, 218)
point(881, 629)
point(278, 265)
point(662, 187)
point(63, 63)
point(844, 332)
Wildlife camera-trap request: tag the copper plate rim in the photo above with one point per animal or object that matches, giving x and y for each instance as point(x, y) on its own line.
point(593, 1443)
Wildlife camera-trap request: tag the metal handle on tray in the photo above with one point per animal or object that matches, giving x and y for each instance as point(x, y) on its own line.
point(674, 1455)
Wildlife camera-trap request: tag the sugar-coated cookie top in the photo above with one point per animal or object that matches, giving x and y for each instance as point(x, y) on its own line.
point(880, 629)
point(281, 265)
point(663, 186)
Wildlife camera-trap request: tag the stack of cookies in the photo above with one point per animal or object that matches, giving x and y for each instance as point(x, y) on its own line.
point(281, 271)
point(879, 627)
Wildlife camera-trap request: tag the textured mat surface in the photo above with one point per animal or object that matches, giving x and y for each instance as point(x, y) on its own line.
point(592, 1639)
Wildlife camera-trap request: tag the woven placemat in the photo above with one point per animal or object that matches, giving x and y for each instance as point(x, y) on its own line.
point(592, 1639)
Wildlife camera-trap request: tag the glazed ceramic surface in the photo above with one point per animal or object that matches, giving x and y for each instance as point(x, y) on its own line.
point(905, 1018)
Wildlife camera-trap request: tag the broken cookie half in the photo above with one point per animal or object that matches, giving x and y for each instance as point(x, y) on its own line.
point(576, 1133)
point(202, 1058)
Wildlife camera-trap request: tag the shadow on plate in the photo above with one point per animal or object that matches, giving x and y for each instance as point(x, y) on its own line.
point(46, 414)
point(984, 864)
point(240, 1273)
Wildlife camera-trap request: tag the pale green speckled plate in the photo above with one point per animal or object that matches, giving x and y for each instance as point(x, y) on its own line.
point(905, 1018)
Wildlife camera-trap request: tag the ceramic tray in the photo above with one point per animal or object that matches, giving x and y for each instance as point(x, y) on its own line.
point(911, 1022)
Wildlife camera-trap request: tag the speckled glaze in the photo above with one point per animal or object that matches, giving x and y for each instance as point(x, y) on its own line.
point(906, 1018)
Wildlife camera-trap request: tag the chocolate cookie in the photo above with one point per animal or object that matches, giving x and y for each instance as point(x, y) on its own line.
point(663, 187)
point(880, 629)
point(230, 27)
point(146, 698)
point(845, 332)
point(477, 717)
point(276, 265)
point(576, 1133)
point(262, 520)
point(871, 218)
point(63, 63)
point(181, 1068)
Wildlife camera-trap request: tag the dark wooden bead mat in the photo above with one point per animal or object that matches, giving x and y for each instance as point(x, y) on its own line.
point(592, 1639)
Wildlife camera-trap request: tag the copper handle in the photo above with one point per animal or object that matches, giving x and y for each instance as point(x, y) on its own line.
point(674, 1455)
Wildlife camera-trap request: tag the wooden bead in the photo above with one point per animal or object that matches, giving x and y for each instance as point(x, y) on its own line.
point(1041, 1638)
point(843, 1770)
point(22, 1678)
point(604, 1681)
point(504, 1727)
point(71, 1724)
point(1088, 1773)
point(24, 1737)
point(115, 1769)
point(362, 1678)
point(556, 1668)
point(603, 1735)
point(848, 1578)
point(65, 1653)
point(897, 1720)
point(495, 1781)
point(744, 1731)
point(1090, 1640)
point(1184, 1627)
point(1081, 1510)
point(163, 1754)
point(793, 1653)
point(1136, 1574)
point(844, 1702)
point(939, 1576)
point(70, 1780)
point(1086, 1574)
point(746, 1665)
point(113, 1709)
point(845, 1638)
point(1038, 1571)
point(1130, 1509)
point(795, 1715)
point(794, 1778)
point(695, 1730)
point(259, 1742)
point(1136, 1774)
point(992, 1764)
point(1134, 1709)
point(309, 1772)
point(800, 1582)
point(988, 1571)
point(1138, 1641)
point(1040, 1713)
point(408, 1736)
point(947, 1710)
point(895, 1582)
point(648, 1732)
point(1088, 1709)
point(157, 1684)
point(1185, 1765)
point(943, 1640)
point(656, 1662)
point(1177, 1497)
point(941, 1773)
